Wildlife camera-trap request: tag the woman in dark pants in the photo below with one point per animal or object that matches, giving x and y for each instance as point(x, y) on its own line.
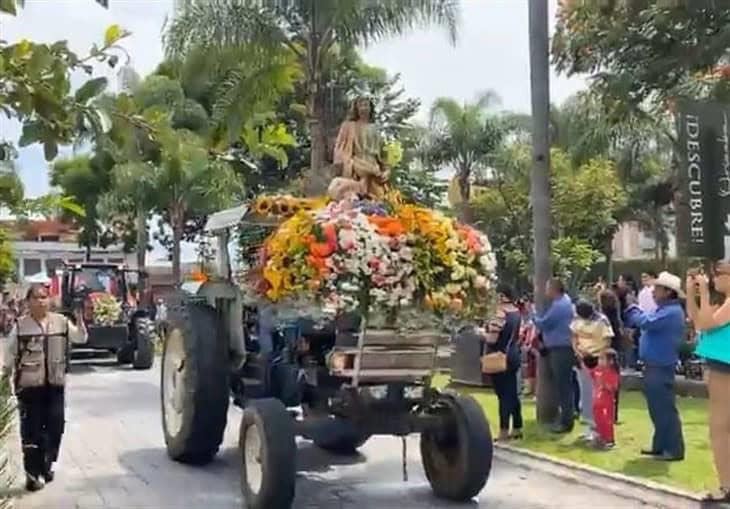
point(502, 335)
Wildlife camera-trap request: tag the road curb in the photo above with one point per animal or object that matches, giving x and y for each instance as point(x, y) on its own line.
point(641, 490)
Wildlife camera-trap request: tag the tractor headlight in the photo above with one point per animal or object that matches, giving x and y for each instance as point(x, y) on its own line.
point(413, 392)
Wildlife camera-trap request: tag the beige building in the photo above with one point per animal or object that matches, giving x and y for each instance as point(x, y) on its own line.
point(41, 246)
point(630, 243)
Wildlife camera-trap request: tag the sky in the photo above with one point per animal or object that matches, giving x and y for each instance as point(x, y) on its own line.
point(492, 52)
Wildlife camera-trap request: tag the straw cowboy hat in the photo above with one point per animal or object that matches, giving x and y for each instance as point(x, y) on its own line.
point(670, 281)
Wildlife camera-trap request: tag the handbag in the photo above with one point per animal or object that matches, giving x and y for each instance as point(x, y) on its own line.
point(494, 363)
point(714, 345)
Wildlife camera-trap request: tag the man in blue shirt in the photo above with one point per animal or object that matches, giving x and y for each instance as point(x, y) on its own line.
point(661, 336)
point(554, 325)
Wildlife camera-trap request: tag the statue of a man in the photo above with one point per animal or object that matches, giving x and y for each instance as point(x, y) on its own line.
point(359, 150)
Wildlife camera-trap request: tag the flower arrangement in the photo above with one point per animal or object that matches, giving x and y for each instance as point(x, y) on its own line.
point(379, 259)
point(106, 309)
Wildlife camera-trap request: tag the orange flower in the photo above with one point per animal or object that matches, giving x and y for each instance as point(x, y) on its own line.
point(321, 249)
point(318, 263)
point(390, 226)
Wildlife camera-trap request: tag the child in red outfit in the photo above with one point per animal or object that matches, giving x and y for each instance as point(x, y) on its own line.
point(605, 386)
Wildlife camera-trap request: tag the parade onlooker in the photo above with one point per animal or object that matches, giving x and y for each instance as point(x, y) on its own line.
point(528, 345)
point(610, 307)
point(646, 294)
point(554, 325)
point(713, 322)
point(502, 335)
point(629, 335)
point(592, 334)
point(627, 282)
point(605, 388)
point(35, 355)
point(661, 335)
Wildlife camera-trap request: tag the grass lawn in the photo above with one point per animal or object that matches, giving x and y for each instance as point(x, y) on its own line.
point(696, 473)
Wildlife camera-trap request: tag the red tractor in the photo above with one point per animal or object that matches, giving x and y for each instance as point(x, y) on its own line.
point(123, 326)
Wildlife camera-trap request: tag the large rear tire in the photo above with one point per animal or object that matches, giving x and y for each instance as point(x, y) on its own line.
point(268, 455)
point(457, 458)
point(195, 392)
point(144, 353)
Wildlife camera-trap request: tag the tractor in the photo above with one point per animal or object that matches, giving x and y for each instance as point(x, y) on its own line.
point(130, 334)
point(336, 383)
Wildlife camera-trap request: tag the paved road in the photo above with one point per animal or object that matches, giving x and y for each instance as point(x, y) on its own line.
point(113, 457)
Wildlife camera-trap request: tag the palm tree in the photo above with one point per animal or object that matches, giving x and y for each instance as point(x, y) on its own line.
point(307, 29)
point(186, 181)
point(465, 137)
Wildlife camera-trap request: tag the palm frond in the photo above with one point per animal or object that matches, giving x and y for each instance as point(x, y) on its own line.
point(445, 110)
point(221, 23)
point(363, 22)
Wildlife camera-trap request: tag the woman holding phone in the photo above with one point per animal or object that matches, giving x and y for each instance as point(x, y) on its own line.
point(713, 324)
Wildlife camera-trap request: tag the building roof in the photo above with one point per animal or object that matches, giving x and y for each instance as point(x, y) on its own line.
point(24, 246)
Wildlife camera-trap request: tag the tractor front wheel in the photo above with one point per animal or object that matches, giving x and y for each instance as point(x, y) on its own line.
point(268, 455)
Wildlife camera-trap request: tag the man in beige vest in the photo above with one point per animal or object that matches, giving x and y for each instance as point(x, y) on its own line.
point(36, 354)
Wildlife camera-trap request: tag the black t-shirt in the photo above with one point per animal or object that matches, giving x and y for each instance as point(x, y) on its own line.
point(508, 339)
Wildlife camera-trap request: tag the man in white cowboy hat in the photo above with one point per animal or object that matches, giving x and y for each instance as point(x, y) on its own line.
point(661, 336)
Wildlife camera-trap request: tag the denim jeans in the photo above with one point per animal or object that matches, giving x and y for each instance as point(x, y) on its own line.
point(659, 384)
point(585, 382)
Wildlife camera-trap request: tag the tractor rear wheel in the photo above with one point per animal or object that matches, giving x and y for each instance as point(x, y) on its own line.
point(457, 458)
point(195, 390)
point(144, 353)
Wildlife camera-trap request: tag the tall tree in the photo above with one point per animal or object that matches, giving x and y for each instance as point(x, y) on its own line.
point(465, 137)
point(583, 213)
point(640, 50)
point(308, 30)
point(185, 182)
point(85, 179)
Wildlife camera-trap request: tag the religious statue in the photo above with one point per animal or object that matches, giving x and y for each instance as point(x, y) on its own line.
point(359, 155)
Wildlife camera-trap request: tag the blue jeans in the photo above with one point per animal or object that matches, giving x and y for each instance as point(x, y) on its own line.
point(660, 397)
point(586, 397)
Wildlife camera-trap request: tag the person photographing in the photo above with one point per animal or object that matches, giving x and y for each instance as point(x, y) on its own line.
point(36, 356)
point(713, 324)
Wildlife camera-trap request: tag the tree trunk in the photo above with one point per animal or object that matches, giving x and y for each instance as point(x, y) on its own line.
point(318, 178)
point(465, 211)
point(88, 250)
point(609, 261)
point(540, 192)
point(177, 218)
point(319, 173)
point(141, 225)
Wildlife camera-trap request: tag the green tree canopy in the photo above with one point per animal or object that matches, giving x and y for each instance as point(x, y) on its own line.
point(640, 50)
point(585, 204)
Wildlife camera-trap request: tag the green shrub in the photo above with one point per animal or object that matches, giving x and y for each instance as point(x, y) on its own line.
point(7, 410)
